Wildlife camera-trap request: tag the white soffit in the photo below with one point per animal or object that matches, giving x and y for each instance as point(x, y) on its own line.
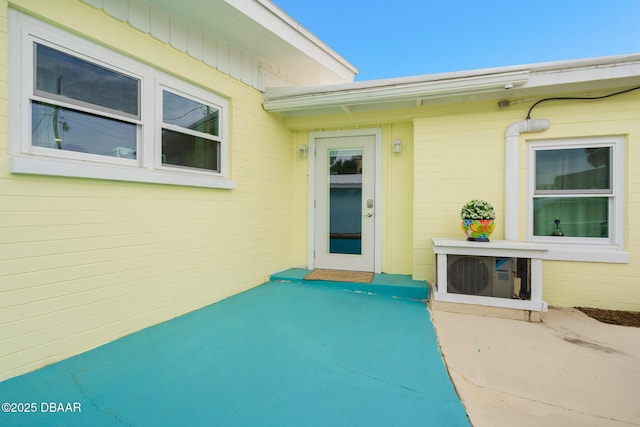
point(259, 27)
point(247, 39)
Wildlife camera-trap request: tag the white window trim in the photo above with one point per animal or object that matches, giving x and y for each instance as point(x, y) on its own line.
point(171, 84)
point(27, 159)
point(584, 249)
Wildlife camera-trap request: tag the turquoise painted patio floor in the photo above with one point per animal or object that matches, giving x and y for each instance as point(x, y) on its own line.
point(287, 353)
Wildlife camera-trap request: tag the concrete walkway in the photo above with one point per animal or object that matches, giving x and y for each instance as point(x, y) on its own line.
point(570, 370)
point(282, 354)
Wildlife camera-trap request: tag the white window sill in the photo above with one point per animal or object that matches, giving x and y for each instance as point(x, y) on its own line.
point(75, 169)
point(586, 253)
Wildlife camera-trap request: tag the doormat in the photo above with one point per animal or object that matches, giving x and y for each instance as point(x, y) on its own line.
point(340, 276)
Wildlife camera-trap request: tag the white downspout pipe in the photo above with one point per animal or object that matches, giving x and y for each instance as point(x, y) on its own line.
point(511, 171)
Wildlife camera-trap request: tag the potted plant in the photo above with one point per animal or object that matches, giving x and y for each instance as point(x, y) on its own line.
point(478, 220)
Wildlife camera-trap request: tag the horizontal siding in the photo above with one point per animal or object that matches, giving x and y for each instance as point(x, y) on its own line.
point(459, 155)
point(397, 184)
point(601, 285)
point(453, 163)
point(83, 262)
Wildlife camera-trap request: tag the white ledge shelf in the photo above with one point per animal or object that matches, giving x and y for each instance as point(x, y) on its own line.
point(509, 248)
point(535, 252)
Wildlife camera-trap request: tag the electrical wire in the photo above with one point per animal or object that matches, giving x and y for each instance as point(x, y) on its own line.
point(579, 98)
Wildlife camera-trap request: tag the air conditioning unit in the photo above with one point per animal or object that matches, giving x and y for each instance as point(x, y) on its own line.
point(480, 275)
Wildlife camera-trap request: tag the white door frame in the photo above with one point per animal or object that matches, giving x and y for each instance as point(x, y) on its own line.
point(311, 235)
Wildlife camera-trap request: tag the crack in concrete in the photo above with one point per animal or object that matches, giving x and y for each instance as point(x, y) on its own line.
point(94, 404)
point(381, 380)
point(542, 402)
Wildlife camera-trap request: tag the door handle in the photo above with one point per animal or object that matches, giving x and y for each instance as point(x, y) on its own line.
point(369, 215)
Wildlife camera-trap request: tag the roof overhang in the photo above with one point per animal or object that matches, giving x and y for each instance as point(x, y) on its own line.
point(260, 27)
point(588, 76)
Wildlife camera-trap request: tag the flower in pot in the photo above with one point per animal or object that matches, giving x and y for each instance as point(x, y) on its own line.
point(477, 220)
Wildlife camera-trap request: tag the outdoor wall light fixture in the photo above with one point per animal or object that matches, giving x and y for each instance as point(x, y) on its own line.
point(302, 151)
point(397, 146)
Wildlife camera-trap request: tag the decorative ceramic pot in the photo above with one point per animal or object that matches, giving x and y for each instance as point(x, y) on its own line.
point(478, 230)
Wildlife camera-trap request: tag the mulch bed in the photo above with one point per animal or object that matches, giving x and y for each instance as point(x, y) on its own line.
point(614, 317)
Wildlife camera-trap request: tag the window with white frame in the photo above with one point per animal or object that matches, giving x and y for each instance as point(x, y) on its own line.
point(83, 110)
point(576, 190)
point(82, 107)
point(190, 132)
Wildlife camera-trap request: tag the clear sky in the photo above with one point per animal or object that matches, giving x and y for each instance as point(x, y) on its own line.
point(397, 38)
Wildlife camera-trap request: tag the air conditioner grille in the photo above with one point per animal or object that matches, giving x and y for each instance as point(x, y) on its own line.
point(469, 275)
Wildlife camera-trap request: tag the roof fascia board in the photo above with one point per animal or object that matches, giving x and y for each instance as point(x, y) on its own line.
point(398, 92)
point(282, 25)
point(600, 71)
point(459, 83)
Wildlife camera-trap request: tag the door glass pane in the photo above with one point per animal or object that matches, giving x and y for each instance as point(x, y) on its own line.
point(63, 76)
point(64, 129)
point(345, 201)
point(571, 216)
point(573, 169)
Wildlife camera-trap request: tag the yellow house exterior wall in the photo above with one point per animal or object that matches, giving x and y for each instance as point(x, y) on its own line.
point(456, 153)
point(459, 155)
point(83, 262)
point(397, 191)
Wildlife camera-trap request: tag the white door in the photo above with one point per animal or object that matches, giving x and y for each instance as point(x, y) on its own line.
point(344, 211)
